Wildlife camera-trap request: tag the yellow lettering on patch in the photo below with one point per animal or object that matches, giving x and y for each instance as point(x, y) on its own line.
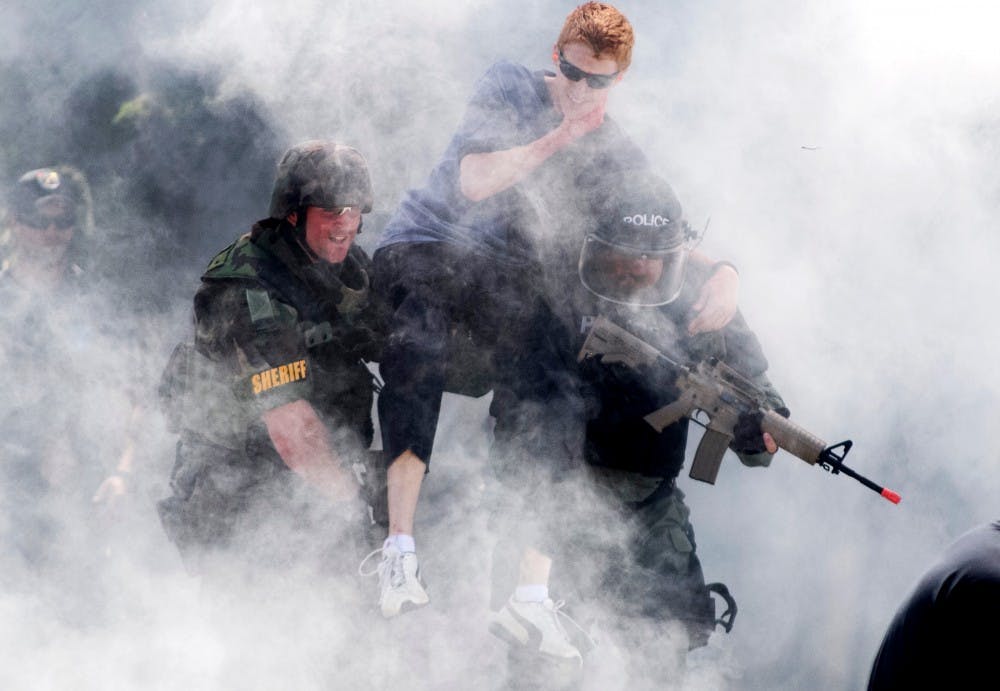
point(278, 376)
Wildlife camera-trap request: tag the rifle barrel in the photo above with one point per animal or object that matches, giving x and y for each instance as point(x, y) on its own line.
point(883, 491)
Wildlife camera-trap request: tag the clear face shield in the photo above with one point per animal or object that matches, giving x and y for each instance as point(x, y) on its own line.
point(643, 278)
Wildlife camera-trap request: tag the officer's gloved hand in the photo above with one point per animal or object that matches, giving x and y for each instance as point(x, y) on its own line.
point(748, 437)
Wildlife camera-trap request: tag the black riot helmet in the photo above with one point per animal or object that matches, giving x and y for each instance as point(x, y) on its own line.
point(320, 173)
point(639, 248)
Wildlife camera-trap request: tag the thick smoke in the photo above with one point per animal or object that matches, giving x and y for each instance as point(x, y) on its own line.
point(845, 155)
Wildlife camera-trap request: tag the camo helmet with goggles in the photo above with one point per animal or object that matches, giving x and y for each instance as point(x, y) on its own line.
point(637, 253)
point(323, 174)
point(46, 196)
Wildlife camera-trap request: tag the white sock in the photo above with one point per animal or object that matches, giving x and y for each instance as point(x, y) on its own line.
point(402, 542)
point(531, 593)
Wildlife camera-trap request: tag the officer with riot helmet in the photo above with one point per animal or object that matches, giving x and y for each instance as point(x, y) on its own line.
point(273, 397)
point(638, 261)
point(616, 470)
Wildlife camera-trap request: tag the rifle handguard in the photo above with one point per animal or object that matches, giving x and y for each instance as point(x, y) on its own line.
point(792, 438)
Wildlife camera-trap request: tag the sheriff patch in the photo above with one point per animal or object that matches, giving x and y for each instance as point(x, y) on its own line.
point(278, 376)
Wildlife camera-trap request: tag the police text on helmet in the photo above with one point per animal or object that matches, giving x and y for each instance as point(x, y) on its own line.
point(652, 220)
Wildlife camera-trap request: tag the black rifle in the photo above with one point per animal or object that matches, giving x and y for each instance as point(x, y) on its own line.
point(723, 395)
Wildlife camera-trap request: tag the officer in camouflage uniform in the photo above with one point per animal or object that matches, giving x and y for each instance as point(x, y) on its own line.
point(621, 540)
point(273, 398)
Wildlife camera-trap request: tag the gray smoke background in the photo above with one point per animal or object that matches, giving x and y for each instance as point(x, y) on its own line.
point(846, 155)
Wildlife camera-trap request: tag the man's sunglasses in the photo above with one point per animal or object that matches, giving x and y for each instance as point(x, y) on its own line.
point(41, 222)
point(575, 74)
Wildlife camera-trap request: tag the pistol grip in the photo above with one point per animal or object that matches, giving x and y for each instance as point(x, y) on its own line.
point(661, 418)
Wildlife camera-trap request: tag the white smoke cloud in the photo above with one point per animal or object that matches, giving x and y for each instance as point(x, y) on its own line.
point(846, 155)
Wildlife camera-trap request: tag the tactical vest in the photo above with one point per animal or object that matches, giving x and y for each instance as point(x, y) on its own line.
point(340, 327)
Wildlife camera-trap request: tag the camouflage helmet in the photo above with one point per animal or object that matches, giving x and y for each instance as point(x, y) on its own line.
point(320, 173)
point(44, 193)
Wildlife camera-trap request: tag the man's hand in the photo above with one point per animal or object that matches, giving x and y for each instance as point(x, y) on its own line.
point(717, 301)
point(588, 122)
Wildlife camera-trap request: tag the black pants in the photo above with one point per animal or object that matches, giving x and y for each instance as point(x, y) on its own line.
point(455, 314)
point(230, 512)
point(582, 477)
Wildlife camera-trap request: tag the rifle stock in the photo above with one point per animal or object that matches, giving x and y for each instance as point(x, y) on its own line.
point(615, 344)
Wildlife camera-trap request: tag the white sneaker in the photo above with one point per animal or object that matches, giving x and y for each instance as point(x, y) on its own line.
point(400, 586)
point(536, 625)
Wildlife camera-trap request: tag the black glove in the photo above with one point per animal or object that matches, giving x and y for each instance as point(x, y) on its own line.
point(748, 437)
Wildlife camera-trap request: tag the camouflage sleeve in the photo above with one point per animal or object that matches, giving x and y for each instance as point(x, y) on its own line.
point(743, 349)
point(739, 347)
point(735, 344)
point(257, 340)
point(775, 402)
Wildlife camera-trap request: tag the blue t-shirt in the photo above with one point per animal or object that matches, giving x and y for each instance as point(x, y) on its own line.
point(511, 107)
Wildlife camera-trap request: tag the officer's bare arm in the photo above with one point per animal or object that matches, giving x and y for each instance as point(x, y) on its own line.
point(302, 441)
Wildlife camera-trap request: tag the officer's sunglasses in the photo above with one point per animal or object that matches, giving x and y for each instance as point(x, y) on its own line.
point(42, 222)
point(345, 210)
point(575, 74)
